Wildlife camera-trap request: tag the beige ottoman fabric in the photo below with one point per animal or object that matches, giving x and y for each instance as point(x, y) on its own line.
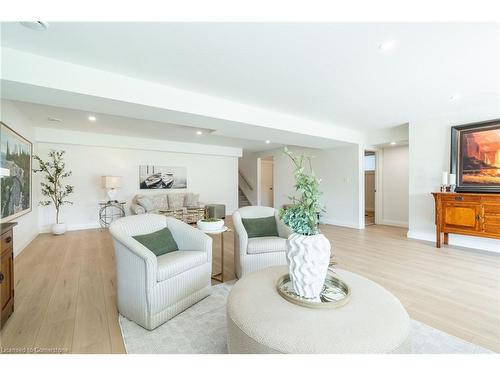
point(261, 321)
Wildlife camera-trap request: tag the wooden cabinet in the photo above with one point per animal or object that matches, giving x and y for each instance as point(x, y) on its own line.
point(468, 214)
point(6, 271)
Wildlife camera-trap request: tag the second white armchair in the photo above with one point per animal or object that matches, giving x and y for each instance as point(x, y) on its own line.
point(252, 254)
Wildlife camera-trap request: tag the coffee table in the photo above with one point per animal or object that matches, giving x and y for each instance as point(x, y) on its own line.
point(259, 320)
point(193, 214)
point(177, 213)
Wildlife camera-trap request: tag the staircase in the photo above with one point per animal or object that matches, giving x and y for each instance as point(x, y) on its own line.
point(242, 199)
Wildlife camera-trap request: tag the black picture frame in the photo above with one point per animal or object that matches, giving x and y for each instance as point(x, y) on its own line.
point(456, 159)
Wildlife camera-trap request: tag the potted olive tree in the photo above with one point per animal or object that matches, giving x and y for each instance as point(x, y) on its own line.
point(308, 251)
point(52, 186)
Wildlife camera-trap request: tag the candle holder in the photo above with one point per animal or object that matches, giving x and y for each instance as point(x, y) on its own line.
point(443, 188)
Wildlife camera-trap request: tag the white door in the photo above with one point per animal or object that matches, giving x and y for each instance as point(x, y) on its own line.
point(267, 193)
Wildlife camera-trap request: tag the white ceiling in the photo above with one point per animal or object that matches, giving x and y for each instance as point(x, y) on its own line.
point(77, 120)
point(333, 73)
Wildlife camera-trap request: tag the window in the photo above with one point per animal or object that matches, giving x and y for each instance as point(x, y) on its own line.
point(369, 163)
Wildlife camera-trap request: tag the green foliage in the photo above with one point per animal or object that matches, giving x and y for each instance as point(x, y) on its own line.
point(211, 219)
point(52, 186)
point(302, 216)
point(20, 175)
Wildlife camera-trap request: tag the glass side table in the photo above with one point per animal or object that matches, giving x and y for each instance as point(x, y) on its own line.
point(110, 211)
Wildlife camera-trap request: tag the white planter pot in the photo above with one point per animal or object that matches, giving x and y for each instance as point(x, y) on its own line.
point(58, 229)
point(308, 259)
point(210, 226)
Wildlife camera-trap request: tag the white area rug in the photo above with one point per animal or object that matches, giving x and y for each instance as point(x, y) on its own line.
point(201, 329)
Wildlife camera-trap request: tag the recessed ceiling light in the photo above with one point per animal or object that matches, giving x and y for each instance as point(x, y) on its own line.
point(386, 45)
point(268, 141)
point(455, 97)
point(92, 118)
point(36, 25)
point(392, 143)
point(199, 132)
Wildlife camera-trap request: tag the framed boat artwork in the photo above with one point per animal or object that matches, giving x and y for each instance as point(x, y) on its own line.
point(15, 183)
point(158, 177)
point(475, 156)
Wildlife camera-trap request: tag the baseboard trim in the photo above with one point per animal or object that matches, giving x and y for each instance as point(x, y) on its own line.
point(24, 245)
point(72, 227)
point(340, 223)
point(395, 223)
point(469, 242)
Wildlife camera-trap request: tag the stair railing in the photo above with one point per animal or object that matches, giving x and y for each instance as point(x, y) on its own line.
point(245, 180)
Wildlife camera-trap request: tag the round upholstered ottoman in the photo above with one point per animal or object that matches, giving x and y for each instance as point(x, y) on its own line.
point(260, 321)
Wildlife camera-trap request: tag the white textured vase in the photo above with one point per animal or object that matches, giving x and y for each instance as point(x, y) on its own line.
point(58, 229)
point(308, 259)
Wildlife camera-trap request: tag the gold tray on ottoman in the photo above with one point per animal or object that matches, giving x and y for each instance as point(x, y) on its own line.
point(335, 293)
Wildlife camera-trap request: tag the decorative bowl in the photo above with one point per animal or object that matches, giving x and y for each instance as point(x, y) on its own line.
point(210, 225)
point(335, 293)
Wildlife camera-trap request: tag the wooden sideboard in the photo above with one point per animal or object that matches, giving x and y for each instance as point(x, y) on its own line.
point(6, 271)
point(470, 214)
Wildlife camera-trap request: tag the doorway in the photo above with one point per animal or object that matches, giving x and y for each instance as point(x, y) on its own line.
point(267, 181)
point(370, 163)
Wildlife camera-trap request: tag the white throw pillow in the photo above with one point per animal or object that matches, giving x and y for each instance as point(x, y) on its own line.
point(175, 201)
point(146, 203)
point(192, 200)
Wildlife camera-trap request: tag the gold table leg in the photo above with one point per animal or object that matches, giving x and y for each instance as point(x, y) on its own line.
point(220, 276)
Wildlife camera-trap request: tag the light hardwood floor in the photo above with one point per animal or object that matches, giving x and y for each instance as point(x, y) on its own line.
point(65, 287)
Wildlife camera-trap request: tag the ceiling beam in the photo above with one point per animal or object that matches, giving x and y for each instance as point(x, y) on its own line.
point(34, 78)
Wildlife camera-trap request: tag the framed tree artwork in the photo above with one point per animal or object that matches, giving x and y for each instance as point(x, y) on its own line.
point(15, 184)
point(475, 156)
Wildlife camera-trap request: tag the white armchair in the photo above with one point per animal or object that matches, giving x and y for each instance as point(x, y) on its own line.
point(252, 254)
point(150, 289)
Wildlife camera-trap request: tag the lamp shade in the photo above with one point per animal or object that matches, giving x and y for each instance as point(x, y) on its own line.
point(111, 182)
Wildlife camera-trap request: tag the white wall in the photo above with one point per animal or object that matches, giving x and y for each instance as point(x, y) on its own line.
point(393, 170)
point(213, 177)
point(27, 225)
point(340, 170)
point(342, 175)
point(429, 156)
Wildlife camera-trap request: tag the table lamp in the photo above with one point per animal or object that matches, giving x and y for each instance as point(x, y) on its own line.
point(112, 184)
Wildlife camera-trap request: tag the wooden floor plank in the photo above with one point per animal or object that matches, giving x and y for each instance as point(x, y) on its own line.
point(66, 286)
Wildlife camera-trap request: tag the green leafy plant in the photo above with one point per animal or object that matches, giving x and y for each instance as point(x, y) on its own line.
point(302, 216)
point(52, 186)
point(211, 219)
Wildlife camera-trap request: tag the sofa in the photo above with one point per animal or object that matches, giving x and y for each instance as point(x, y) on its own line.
point(170, 204)
point(252, 254)
point(151, 289)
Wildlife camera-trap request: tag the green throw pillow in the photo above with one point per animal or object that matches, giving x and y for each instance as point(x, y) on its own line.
point(160, 242)
point(261, 227)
